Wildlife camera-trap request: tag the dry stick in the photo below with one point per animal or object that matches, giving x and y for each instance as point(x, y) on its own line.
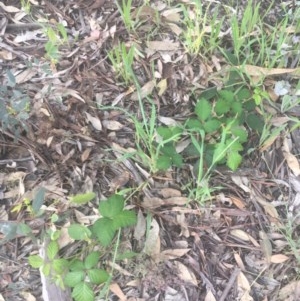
point(230, 283)
point(9, 161)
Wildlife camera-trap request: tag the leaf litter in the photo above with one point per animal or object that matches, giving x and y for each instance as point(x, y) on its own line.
point(189, 252)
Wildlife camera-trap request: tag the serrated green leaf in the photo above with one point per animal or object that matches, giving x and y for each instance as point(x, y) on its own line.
point(112, 206)
point(125, 218)
point(97, 276)
point(60, 265)
point(35, 261)
point(83, 292)
point(76, 265)
point(163, 162)
point(222, 106)
point(227, 95)
point(203, 109)
point(168, 149)
point(193, 123)
point(255, 122)
point(164, 132)
point(46, 269)
point(243, 94)
point(177, 160)
point(38, 199)
point(104, 229)
point(81, 199)
point(234, 146)
point(73, 278)
point(212, 125)
point(236, 108)
point(11, 78)
point(91, 260)
point(219, 152)
point(79, 232)
point(234, 160)
point(241, 133)
point(52, 249)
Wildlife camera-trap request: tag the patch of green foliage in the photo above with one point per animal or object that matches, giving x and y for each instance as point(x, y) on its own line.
point(83, 273)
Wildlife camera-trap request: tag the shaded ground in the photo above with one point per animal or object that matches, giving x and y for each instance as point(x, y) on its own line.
point(242, 244)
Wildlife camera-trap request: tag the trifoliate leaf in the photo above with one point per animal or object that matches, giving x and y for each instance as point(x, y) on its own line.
point(203, 109)
point(112, 206)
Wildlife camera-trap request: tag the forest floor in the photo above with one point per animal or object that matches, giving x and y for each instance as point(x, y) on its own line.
point(189, 110)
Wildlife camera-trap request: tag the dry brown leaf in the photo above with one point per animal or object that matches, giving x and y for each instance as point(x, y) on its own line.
point(260, 71)
point(7, 55)
point(119, 181)
point(240, 234)
point(290, 292)
point(144, 92)
point(140, 228)
point(210, 296)
point(175, 28)
point(243, 288)
point(279, 258)
point(169, 192)
point(185, 274)
point(162, 86)
point(292, 163)
point(115, 288)
point(85, 155)
point(239, 261)
point(163, 45)
point(112, 125)
point(168, 121)
point(266, 246)
point(171, 254)
point(8, 8)
point(95, 121)
point(152, 243)
point(238, 202)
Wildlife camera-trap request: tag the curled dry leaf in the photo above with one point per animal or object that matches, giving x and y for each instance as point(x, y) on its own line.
point(163, 45)
point(171, 254)
point(168, 121)
point(170, 192)
point(240, 234)
point(140, 228)
point(185, 274)
point(115, 288)
point(154, 202)
point(292, 162)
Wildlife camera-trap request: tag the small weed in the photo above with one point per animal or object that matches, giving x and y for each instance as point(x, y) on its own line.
point(82, 275)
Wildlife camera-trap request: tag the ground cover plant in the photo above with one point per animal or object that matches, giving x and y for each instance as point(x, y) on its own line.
point(149, 150)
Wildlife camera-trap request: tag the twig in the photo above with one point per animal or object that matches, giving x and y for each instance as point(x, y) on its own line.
point(230, 283)
point(8, 161)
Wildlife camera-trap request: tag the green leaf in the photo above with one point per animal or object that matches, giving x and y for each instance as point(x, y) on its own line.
point(81, 199)
point(222, 106)
point(212, 125)
point(52, 249)
point(203, 109)
point(234, 160)
point(193, 123)
point(76, 265)
point(112, 206)
point(236, 108)
point(73, 278)
point(219, 152)
point(79, 232)
point(164, 132)
point(235, 146)
point(241, 133)
point(125, 218)
point(227, 95)
point(11, 78)
point(177, 160)
point(255, 122)
point(46, 268)
point(104, 229)
point(91, 260)
point(168, 149)
point(60, 265)
point(35, 261)
point(38, 200)
point(163, 162)
point(243, 94)
point(98, 276)
point(83, 292)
